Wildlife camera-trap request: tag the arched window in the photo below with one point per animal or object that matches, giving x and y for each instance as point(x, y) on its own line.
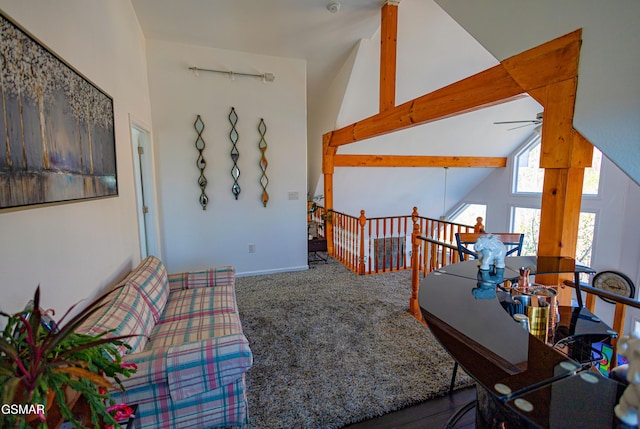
point(528, 176)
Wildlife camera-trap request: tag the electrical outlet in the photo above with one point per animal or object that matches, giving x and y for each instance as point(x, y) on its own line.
point(252, 248)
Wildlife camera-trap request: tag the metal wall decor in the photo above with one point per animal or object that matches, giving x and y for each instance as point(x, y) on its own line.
point(262, 145)
point(200, 162)
point(233, 136)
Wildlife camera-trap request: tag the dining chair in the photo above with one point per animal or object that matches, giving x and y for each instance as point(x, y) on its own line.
point(465, 241)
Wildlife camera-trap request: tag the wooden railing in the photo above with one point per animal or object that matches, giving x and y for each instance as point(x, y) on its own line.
point(379, 245)
point(383, 244)
point(620, 312)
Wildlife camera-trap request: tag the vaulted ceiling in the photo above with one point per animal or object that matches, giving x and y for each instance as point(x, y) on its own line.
point(305, 29)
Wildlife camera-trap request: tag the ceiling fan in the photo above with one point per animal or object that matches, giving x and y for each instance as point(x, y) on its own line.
point(536, 121)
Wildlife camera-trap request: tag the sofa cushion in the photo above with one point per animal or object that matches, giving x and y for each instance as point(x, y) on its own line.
point(150, 279)
point(218, 276)
point(197, 314)
point(198, 367)
point(126, 313)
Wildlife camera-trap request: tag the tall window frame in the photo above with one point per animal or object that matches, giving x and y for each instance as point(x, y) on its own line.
point(466, 213)
point(528, 176)
point(527, 220)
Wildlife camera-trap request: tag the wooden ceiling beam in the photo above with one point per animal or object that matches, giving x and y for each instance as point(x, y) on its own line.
point(547, 64)
point(340, 160)
point(388, 53)
point(487, 88)
point(530, 71)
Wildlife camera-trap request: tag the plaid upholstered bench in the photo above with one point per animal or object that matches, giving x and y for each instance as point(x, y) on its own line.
point(189, 347)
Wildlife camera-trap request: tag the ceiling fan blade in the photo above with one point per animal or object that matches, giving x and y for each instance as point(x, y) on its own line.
point(522, 126)
point(518, 122)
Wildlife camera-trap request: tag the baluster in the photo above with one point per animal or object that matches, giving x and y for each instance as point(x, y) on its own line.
point(369, 247)
point(356, 243)
point(400, 250)
point(352, 238)
point(452, 237)
point(618, 326)
point(414, 306)
point(384, 245)
point(363, 222)
point(392, 259)
point(377, 245)
point(340, 232)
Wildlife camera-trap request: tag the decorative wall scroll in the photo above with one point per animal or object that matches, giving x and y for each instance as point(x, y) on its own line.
point(262, 145)
point(200, 162)
point(57, 128)
point(233, 136)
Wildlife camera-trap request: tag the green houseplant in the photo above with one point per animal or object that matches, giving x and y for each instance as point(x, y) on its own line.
point(313, 206)
point(39, 362)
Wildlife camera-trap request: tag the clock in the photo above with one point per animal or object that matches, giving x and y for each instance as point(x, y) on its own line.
point(614, 282)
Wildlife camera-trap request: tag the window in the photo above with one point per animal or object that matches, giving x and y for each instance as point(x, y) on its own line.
point(592, 175)
point(468, 213)
point(527, 221)
point(528, 174)
point(586, 230)
point(529, 177)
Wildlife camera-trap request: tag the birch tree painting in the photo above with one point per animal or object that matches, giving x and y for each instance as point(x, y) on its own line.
point(57, 138)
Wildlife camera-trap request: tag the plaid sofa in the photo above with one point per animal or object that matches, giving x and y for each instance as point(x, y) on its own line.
point(189, 347)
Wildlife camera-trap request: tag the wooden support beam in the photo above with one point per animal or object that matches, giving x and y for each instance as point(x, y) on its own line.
point(417, 161)
point(388, 49)
point(564, 155)
point(328, 154)
point(487, 88)
point(546, 64)
point(536, 68)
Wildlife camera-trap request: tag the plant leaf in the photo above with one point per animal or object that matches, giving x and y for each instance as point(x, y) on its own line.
point(83, 373)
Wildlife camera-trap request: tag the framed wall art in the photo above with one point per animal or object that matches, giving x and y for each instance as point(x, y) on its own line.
point(57, 140)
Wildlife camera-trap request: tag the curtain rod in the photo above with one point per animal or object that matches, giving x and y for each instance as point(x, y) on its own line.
point(266, 77)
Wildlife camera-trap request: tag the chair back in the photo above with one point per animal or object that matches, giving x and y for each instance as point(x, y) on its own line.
point(512, 242)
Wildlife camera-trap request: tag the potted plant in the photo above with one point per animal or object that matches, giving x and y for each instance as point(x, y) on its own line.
point(40, 362)
point(313, 206)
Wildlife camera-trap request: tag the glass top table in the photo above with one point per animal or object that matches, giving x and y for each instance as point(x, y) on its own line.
point(486, 341)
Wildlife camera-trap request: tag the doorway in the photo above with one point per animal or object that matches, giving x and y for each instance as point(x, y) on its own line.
point(145, 189)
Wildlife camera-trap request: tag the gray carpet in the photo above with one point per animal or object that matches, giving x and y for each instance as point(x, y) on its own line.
point(332, 348)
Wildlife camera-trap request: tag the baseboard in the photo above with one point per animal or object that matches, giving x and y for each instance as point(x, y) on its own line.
point(274, 271)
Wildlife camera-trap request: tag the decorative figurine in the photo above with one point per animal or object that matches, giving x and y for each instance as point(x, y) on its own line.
point(491, 251)
point(487, 282)
point(627, 408)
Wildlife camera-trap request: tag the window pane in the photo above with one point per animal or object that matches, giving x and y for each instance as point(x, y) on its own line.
point(468, 214)
point(527, 222)
point(529, 175)
point(586, 230)
point(592, 175)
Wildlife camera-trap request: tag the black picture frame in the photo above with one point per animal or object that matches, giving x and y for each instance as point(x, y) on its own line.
point(57, 137)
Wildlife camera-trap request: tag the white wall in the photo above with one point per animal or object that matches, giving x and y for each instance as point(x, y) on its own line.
point(608, 98)
point(433, 51)
point(75, 250)
point(193, 238)
point(617, 236)
point(323, 118)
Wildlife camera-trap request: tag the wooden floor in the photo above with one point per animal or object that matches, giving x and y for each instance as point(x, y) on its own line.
point(432, 414)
